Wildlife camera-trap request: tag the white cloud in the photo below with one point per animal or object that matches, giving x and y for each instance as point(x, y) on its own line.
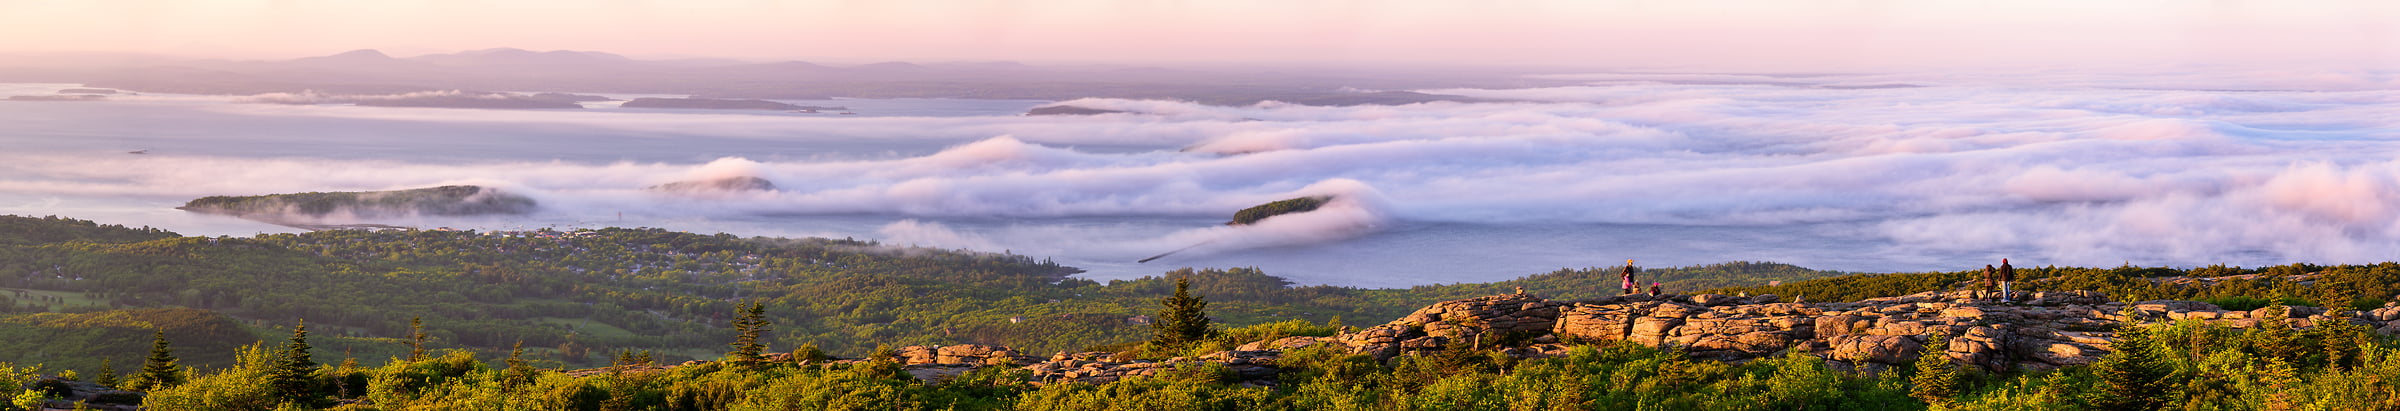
point(2048, 162)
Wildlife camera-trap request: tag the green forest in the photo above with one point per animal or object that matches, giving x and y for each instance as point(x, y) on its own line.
point(434, 319)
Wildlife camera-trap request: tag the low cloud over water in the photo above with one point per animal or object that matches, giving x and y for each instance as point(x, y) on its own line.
point(2075, 169)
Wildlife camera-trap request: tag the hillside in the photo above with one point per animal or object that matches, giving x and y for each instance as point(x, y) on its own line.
point(572, 295)
point(590, 298)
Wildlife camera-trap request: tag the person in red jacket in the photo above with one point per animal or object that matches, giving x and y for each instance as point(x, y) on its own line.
point(2007, 275)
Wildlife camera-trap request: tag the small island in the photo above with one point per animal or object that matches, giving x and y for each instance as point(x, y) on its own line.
point(1260, 212)
point(569, 97)
point(469, 100)
point(1063, 110)
point(454, 200)
point(727, 184)
point(61, 97)
point(87, 91)
point(717, 104)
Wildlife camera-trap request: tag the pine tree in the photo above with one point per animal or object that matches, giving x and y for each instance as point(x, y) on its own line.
point(750, 326)
point(294, 375)
point(1937, 378)
point(416, 338)
point(2132, 377)
point(108, 375)
point(159, 371)
point(1182, 318)
point(2340, 341)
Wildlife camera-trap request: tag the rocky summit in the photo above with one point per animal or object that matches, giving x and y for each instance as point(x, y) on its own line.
point(2037, 331)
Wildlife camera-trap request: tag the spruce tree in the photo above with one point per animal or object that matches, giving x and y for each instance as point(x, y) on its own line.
point(750, 326)
point(108, 375)
point(416, 338)
point(2340, 341)
point(294, 375)
point(2274, 337)
point(1182, 318)
point(2133, 377)
point(159, 371)
point(1937, 378)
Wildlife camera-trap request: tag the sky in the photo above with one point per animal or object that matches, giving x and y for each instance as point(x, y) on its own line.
point(1725, 34)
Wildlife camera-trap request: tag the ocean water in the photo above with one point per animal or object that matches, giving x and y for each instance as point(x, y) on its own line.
point(1947, 173)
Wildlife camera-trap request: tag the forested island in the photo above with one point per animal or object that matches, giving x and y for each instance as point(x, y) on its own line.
point(455, 200)
point(651, 319)
point(718, 104)
point(1252, 215)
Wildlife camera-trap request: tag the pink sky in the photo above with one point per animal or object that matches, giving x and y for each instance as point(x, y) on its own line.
point(1761, 34)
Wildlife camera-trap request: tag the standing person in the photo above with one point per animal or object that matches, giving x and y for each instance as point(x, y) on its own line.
point(1630, 288)
point(2007, 274)
point(1990, 275)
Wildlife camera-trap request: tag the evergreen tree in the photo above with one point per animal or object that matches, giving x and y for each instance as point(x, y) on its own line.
point(2133, 377)
point(159, 371)
point(2274, 337)
point(108, 375)
point(294, 375)
point(1182, 318)
point(2341, 342)
point(1937, 378)
point(416, 338)
point(750, 325)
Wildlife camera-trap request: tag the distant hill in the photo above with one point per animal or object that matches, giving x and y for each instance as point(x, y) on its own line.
point(373, 72)
point(201, 338)
point(33, 230)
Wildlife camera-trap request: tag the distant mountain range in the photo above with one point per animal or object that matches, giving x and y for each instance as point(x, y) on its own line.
point(507, 69)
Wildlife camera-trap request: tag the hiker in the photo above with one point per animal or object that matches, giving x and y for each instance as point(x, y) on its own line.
point(2007, 274)
point(1654, 289)
point(1630, 288)
point(1990, 275)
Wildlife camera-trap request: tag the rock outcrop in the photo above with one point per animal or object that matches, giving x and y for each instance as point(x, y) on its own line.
point(2039, 331)
point(66, 394)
